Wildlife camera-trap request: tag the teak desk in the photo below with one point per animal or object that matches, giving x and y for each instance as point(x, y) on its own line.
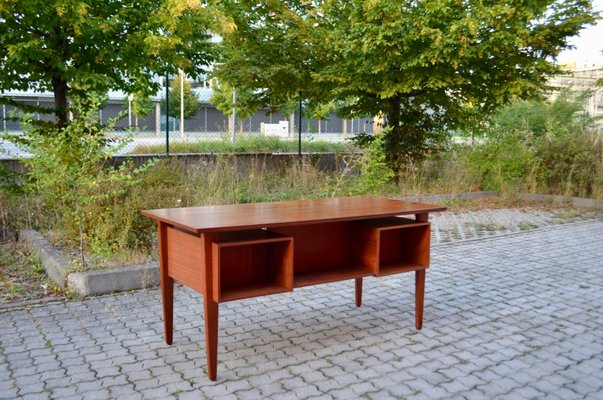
point(239, 251)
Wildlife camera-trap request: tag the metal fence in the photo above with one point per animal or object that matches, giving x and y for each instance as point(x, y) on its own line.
point(149, 134)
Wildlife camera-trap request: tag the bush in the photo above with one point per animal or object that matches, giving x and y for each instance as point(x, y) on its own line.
point(539, 146)
point(570, 165)
point(499, 164)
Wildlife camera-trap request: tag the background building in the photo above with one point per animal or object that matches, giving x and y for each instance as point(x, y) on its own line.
point(583, 77)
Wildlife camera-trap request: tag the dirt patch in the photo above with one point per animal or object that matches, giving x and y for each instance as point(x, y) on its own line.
point(22, 275)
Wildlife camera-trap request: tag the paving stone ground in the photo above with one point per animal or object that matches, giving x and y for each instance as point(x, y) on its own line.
point(514, 316)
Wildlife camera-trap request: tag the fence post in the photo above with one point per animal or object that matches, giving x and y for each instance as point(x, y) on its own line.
point(299, 129)
point(234, 113)
point(167, 114)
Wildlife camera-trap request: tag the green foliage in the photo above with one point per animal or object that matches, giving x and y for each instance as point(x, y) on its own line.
point(222, 98)
point(9, 181)
point(570, 165)
point(501, 163)
point(87, 203)
point(68, 173)
point(428, 67)
point(141, 106)
point(115, 226)
point(540, 146)
point(562, 116)
point(374, 171)
point(318, 111)
point(191, 101)
point(269, 53)
point(73, 47)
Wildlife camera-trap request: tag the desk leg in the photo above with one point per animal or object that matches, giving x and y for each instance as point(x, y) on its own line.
point(358, 292)
point(167, 297)
point(167, 285)
point(419, 297)
point(211, 337)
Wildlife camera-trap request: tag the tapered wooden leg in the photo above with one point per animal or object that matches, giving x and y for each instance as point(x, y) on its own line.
point(211, 337)
point(358, 292)
point(167, 285)
point(167, 298)
point(419, 297)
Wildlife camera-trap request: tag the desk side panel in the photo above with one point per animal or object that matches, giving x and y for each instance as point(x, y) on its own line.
point(185, 259)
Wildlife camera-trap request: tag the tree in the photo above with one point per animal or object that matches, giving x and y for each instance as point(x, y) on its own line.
point(224, 100)
point(268, 52)
point(319, 111)
point(74, 47)
point(191, 101)
point(429, 66)
point(141, 107)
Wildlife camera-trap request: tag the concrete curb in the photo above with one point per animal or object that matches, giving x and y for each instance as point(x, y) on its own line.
point(89, 283)
point(441, 197)
point(92, 283)
point(55, 264)
point(114, 280)
point(574, 201)
point(534, 197)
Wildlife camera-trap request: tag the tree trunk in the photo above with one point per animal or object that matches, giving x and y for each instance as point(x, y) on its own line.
point(392, 141)
point(60, 88)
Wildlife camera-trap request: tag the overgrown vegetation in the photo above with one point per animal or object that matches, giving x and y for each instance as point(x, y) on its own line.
point(248, 144)
point(539, 146)
point(84, 204)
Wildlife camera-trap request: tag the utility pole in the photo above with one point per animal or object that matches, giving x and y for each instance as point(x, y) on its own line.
point(130, 98)
point(181, 104)
point(299, 128)
point(167, 114)
point(234, 113)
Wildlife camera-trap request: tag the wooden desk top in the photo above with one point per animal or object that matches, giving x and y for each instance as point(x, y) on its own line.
point(285, 213)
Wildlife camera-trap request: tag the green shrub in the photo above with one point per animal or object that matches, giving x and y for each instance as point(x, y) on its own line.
point(570, 165)
point(562, 116)
point(539, 146)
point(499, 164)
point(375, 173)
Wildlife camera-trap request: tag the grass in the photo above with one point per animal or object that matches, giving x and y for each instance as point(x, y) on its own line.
point(22, 276)
point(524, 226)
point(253, 144)
point(115, 234)
point(489, 227)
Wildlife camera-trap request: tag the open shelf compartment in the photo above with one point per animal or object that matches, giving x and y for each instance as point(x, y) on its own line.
point(393, 245)
point(251, 263)
point(323, 253)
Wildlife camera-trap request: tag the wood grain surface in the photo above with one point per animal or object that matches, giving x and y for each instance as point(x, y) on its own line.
point(285, 213)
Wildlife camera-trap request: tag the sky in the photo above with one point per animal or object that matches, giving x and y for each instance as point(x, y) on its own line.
point(589, 43)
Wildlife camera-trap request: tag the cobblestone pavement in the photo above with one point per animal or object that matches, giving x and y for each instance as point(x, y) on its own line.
point(516, 316)
point(454, 226)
